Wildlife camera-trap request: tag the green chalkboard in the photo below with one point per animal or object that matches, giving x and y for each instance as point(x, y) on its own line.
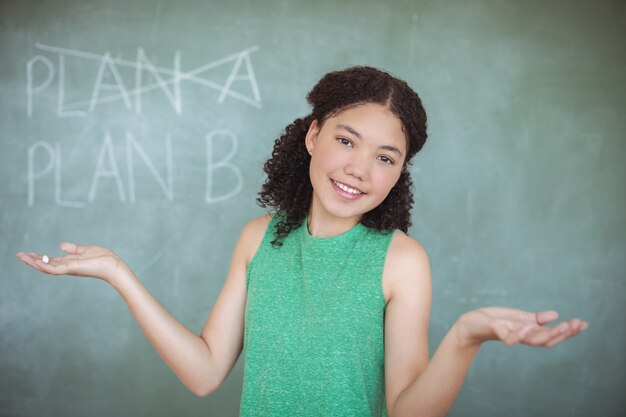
point(143, 126)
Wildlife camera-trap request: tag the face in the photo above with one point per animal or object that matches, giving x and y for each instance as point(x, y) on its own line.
point(356, 159)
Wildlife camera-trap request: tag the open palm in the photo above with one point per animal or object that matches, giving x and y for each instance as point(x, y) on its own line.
point(513, 326)
point(87, 261)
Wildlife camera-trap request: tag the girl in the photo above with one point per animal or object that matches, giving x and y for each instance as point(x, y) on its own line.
point(327, 295)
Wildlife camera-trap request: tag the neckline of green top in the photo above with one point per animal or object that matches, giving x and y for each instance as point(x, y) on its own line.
point(347, 235)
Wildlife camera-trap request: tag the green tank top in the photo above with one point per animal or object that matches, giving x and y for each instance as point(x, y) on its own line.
point(314, 325)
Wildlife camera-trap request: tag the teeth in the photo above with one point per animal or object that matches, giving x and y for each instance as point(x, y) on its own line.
point(347, 189)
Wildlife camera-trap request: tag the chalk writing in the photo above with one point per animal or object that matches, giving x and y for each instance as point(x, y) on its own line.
point(224, 163)
point(131, 143)
point(108, 168)
point(167, 80)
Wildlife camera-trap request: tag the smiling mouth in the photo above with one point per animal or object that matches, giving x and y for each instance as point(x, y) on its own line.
point(346, 188)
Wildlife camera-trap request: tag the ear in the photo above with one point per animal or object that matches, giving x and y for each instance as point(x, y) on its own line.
point(311, 136)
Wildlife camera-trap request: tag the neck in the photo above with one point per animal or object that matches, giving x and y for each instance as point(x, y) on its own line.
point(322, 224)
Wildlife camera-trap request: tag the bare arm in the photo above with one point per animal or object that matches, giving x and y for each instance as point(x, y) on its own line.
point(186, 353)
point(419, 387)
point(200, 362)
point(434, 392)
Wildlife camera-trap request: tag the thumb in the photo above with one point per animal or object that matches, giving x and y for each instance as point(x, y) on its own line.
point(70, 248)
point(547, 316)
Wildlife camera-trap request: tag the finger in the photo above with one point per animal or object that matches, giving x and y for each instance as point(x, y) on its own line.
point(547, 316)
point(61, 265)
point(566, 335)
point(576, 326)
point(523, 315)
point(542, 335)
point(23, 255)
point(583, 326)
point(52, 269)
point(36, 256)
point(73, 248)
point(552, 343)
point(548, 337)
point(539, 337)
point(505, 312)
point(28, 260)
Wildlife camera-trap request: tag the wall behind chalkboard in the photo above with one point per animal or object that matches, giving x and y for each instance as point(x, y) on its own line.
point(143, 127)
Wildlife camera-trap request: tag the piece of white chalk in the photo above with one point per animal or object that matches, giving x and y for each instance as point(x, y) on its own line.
point(45, 259)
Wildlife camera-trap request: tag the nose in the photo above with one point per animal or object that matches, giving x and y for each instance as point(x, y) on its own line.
point(358, 167)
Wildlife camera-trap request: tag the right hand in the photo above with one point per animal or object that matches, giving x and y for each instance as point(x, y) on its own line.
point(86, 261)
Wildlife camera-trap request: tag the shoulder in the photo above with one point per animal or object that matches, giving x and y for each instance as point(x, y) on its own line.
point(405, 251)
point(257, 226)
point(406, 265)
point(252, 235)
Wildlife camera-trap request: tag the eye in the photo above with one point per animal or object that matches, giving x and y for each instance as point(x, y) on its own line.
point(387, 160)
point(344, 141)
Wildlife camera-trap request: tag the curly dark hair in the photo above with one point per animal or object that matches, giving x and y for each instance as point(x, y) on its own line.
point(335, 92)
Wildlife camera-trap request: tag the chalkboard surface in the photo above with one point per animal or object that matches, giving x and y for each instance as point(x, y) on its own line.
point(143, 126)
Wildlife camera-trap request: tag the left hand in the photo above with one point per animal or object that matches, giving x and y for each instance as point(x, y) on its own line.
point(513, 326)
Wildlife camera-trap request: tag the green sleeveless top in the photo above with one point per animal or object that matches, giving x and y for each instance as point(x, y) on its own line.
point(313, 340)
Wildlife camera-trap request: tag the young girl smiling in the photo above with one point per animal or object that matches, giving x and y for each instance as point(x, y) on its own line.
point(327, 295)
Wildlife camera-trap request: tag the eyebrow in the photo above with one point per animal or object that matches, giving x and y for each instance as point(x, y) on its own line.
point(358, 135)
